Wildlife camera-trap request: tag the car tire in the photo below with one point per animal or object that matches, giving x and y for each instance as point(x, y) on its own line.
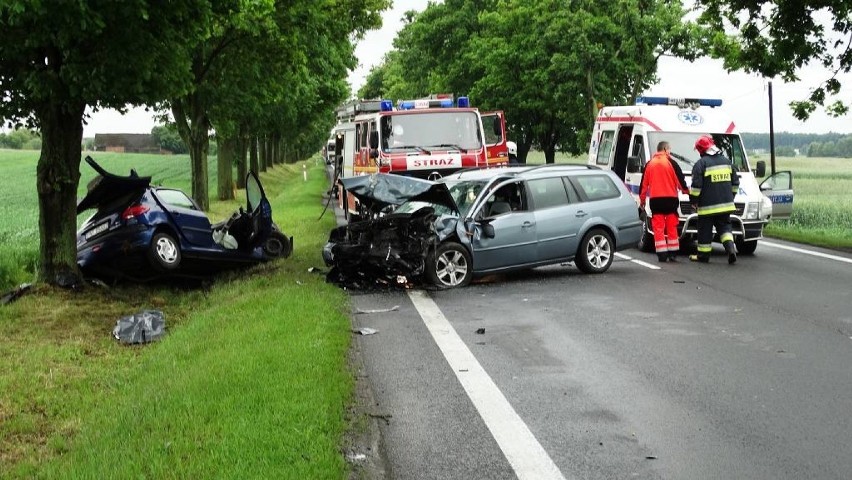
point(449, 266)
point(596, 252)
point(746, 248)
point(164, 252)
point(277, 245)
point(646, 240)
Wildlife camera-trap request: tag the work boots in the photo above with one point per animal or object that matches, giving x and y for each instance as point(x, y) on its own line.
point(731, 250)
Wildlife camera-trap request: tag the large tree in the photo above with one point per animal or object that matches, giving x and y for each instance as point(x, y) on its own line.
point(56, 59)
point(780, 37)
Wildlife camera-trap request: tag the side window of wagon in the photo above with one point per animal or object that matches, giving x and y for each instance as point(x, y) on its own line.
point(548, 192)
point(596, 187)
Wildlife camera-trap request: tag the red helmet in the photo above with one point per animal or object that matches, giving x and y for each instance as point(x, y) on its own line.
point(704, 143)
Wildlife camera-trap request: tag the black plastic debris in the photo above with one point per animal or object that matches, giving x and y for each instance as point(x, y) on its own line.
point(480, 331)
point(15, 293)
point(143, 327)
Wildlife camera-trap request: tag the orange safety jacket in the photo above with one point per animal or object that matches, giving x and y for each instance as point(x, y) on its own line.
point(659, 179)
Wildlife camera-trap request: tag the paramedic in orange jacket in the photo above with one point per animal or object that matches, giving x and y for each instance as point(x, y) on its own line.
point(660, 185)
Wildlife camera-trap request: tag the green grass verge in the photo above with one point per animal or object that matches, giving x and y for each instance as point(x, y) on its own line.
point(250, 382)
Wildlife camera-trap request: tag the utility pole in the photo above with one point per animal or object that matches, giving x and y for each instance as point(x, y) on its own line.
point(771, 134)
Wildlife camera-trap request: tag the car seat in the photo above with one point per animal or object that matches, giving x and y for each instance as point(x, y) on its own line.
point(499, 207)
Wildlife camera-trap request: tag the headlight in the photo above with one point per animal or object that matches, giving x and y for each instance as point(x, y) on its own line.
point(752, 211)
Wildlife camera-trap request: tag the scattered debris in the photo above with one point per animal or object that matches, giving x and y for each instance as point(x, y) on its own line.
point(15, 293)
point(651, 457)
point(365, 331)
point(355, 457)
point(299, 282)
point(143, 327)
point(480, 331)
point(315, 270)
point(679, 281)
point(378, 310)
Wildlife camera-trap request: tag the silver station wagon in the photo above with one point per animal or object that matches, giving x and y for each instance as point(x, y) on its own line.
point(478, 222)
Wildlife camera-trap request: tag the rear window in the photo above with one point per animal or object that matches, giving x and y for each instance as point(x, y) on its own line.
point(596, 187)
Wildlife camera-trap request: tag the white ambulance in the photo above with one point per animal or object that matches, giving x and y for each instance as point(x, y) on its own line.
point(625, 137)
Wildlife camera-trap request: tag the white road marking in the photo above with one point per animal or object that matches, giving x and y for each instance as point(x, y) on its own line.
point(522, 450)
point(807, 252)
point(638, 262)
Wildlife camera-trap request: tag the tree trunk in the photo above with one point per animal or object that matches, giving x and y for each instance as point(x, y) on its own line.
point(193, 132)
point(255, 164)
point(267, 153)
point(242, 150)
point(57, 178)
point(225, 170)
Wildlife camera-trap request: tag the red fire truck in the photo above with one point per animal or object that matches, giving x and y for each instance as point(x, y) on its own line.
point(426, 138)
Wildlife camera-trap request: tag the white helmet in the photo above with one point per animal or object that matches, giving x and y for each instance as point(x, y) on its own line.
point(513, 147)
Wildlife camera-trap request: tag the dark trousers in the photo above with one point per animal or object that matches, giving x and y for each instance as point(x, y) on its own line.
point(722, 222)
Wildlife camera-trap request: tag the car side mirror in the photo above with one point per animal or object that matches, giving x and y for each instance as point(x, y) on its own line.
point(374, 140)
point(760, 170)
point(487, 230)
point(498, 130)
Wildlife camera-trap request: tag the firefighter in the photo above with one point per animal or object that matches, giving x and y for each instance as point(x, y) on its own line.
point(714, 184)
point(512, 148)
point(661, 185)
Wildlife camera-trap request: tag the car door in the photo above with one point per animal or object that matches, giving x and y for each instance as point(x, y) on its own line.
point(190, 220)
point(779, 189)
point(558, 218)
point(503, 238)
point(494, 127)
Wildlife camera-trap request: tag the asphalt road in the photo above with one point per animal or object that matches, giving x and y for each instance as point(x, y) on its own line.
point(673, 371)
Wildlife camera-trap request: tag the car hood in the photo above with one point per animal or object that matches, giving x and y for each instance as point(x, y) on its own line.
point(106, 187)
point(382, 189)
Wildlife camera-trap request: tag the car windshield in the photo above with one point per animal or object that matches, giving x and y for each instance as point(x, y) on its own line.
point(465, 192)
point(683, 148)
point(431, 131)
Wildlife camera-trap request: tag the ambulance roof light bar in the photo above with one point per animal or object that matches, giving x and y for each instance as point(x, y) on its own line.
point(680, 102)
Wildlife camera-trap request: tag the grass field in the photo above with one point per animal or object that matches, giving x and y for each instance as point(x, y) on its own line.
point(250, 382)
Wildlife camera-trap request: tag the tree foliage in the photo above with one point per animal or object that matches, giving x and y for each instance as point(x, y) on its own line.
point(548, 82)
point(780, 37)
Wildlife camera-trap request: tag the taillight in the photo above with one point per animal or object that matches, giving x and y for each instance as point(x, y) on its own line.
point(133, 211)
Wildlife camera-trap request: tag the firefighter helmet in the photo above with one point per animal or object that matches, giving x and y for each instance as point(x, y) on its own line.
point(512, 147)
point(704, 143)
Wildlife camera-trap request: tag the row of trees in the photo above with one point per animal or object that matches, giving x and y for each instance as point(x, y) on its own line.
point(549, 64)
point(809, 144)
point(20, 138)
point(247, 69)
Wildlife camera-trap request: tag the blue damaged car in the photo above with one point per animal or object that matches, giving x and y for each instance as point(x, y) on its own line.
point(140, 232)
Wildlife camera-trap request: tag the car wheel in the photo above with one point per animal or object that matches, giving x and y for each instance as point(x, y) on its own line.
point(277, 245)
point(164, 252)
point(596, 252)
point(746, 248)
point(450, 266)
point(646, 240)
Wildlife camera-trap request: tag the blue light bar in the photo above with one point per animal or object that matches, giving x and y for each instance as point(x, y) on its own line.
point(426, 103)
point(406, 105)
point(386, 105)
point(680, 102)
point(464, 102)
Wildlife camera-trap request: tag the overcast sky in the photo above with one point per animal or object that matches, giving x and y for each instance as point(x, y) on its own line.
point(745, 97)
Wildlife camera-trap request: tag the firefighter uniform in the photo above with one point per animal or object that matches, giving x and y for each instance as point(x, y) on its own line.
point(714, 184)
point(661, 185)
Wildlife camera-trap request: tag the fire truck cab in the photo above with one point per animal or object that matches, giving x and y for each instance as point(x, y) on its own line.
point(625, 137)
point(425, 138)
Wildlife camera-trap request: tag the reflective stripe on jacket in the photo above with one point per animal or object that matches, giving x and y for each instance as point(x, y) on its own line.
point(714, 184)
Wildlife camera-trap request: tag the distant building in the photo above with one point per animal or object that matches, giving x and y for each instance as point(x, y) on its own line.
point(127, 143)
